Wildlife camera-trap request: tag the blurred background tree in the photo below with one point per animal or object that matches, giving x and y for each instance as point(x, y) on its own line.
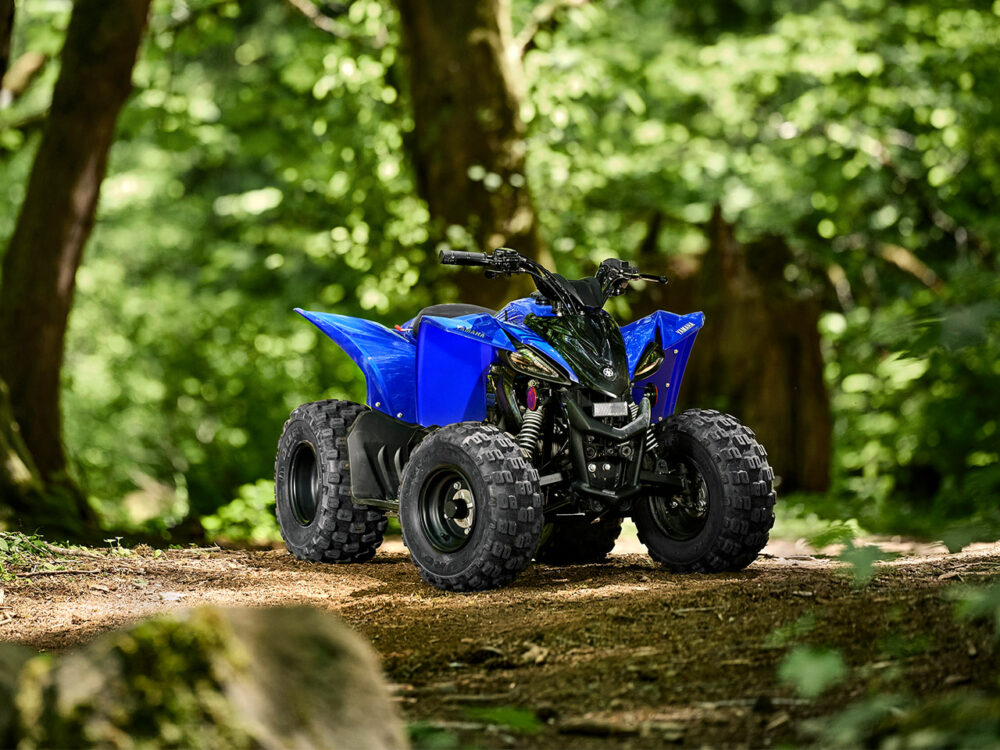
point(40, 265)
point(818, 178)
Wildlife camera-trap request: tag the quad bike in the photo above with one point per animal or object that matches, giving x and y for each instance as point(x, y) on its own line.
point(499, 437)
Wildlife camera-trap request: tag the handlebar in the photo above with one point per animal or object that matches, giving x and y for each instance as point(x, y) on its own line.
point(614, 275)
point(653, 277)
point(462, 258)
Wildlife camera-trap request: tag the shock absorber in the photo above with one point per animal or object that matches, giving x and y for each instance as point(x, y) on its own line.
point(651, 444)
point(531, 429)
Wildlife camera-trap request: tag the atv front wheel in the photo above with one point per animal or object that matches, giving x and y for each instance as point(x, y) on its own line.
point(312, 488)
point(470, 508)
point(576, 540)
point(720, 518)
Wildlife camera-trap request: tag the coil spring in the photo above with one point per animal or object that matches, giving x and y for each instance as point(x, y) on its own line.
point(531, 429)
point(651, 444)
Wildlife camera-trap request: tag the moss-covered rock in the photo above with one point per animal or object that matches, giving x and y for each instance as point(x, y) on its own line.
point(208, 678)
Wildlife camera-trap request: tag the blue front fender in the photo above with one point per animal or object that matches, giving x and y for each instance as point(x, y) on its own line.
point(386, 357)
point(676, 334)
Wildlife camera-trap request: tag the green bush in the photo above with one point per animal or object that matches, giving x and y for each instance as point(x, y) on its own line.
point(916, 395)
point(249, 518)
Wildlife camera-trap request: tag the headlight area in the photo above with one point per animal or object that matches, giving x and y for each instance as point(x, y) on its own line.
point(529, 362)
point(649, 362)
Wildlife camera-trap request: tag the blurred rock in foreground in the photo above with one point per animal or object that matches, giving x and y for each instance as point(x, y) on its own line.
point(207, 678)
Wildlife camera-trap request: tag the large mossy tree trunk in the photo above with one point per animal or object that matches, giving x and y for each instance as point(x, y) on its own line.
point(39, 267)
point(468, 148)
point(759, 354)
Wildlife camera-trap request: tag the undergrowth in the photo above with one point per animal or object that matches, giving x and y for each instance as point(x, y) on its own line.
point(19, 550)
point(28, 553)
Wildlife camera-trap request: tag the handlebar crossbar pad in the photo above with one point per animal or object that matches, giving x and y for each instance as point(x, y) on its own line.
point(461, 258)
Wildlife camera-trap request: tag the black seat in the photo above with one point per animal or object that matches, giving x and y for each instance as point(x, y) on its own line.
point(449, 310)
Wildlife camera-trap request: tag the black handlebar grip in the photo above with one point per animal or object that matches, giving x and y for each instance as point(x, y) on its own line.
point(462, 258)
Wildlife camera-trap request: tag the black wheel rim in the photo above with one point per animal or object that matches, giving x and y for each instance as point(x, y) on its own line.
point(304, 483)
point(447, 509)
point(682, 515)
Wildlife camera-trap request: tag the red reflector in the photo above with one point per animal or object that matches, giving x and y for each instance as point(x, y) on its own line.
point(653, 393)
point(399, 328)
point(531, 398)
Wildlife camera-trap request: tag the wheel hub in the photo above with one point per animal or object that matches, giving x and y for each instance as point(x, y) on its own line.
point(682, 515)
point(460, 507)
point(447, 509)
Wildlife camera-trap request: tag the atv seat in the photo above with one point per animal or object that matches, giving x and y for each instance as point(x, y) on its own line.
point(449, 310)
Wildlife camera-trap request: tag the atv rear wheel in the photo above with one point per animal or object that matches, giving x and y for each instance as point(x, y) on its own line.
point(720, 519)
point(576, 540)
point(312, 488)
point(470, 508)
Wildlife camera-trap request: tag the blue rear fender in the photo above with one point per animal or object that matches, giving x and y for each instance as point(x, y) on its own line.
point(676, 334)
point(386, 357)
point(437, 378)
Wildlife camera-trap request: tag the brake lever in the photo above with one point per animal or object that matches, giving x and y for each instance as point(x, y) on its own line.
point(653, 277)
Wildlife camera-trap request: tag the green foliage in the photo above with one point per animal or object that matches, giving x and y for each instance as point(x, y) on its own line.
point(249, 518)
point(887, 722)
point(958, 719)
point(522, 720)
point(21, 550)
point(916, 435)
point(260, 165)
point(835, 532)
point(791, 632)
point(812, 671)
point(800, 516)
point(862, 561)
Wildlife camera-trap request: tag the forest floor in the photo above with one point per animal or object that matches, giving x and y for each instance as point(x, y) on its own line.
point(622, 654)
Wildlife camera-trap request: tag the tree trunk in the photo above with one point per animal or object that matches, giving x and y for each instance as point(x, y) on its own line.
point(468, 139)
point(758, 355)
point(19, 479)
point(6, 31)
point(39, 268)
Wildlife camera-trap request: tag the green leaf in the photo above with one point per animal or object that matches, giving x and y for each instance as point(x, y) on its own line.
point(520, 719)
point(812, 671)
point(862, 561)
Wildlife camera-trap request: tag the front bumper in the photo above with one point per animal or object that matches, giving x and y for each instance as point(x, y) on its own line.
point(632, 433)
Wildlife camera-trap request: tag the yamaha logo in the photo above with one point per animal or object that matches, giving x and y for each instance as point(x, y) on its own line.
point(608, 372)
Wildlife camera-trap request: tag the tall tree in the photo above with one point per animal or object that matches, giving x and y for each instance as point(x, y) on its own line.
point(466, 84)
point(39, 267)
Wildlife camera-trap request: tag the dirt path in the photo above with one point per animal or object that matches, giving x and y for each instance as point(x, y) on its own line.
point(622, 654)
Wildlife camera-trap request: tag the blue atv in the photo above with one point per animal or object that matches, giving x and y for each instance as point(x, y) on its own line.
point(499, 437)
